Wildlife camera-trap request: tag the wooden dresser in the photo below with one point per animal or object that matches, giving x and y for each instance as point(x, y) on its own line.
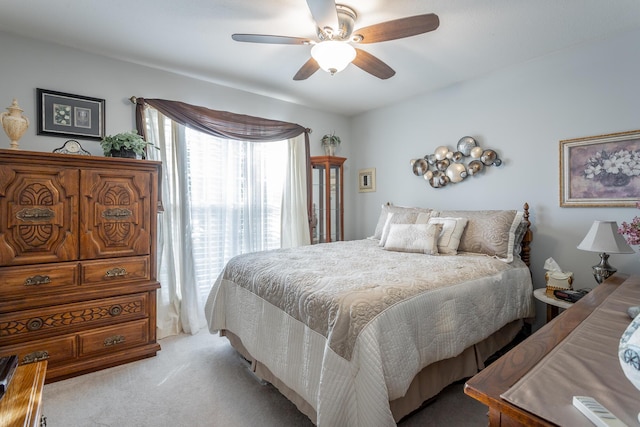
point(77, 260)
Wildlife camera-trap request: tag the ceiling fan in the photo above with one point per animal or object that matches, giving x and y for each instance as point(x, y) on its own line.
point(335, 30)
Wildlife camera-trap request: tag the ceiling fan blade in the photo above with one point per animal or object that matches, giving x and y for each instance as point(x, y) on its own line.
point(309, 67)
point(399, 28)
point(372, 65)
point(264, 38)
point(324, 13)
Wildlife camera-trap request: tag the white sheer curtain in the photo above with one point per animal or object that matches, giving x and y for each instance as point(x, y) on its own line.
point(295, 227)
point(178, 305)
point(221, 198)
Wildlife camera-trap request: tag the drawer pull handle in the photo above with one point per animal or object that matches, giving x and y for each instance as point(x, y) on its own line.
point(37, 280)
point(116, 213)
point(36, 356)
point(116, 272)
point(34, 324)
point(35, 215)
point(115, 310)
point(116, 339)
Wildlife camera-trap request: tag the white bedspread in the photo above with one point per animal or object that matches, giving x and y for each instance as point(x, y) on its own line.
point(433, 307)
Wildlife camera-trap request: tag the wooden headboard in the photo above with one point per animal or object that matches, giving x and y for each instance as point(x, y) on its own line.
point(528, 237)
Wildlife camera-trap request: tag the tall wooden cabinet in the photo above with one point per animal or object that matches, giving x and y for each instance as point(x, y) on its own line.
point(328, 196)
point(77, 260)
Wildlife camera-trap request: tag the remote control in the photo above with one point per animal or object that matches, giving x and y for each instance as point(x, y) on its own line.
point(598, 414)
point(569, 295)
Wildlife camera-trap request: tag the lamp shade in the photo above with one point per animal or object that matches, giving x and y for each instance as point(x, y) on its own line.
point(333, 56)
point(603, 237)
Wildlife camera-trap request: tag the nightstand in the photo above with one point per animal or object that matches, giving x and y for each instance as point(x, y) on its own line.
point(553, 304)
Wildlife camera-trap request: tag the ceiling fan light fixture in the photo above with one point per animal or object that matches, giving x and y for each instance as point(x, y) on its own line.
point(333, 56)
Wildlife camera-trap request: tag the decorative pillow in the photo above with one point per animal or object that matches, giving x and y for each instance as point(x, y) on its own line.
point(384, 214)
point(490, 233)
point(452, 229)
point(404, 217)
point(416, 238)
point(423, 217)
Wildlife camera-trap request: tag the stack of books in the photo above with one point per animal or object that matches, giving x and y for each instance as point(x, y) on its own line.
point(8, 366)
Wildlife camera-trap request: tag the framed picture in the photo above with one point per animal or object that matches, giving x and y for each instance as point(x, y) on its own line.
point(66, 115)
point(601, 170)
point(366, 180)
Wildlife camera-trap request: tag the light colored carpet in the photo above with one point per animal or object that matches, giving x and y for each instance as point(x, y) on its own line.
point(200, 380)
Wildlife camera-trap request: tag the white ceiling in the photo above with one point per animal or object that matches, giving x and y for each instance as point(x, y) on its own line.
point(193, 37)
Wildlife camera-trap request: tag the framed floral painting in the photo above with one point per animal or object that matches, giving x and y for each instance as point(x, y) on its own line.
point(601, 170)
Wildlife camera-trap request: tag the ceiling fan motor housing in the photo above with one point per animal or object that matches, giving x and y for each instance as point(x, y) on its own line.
point(346, 21)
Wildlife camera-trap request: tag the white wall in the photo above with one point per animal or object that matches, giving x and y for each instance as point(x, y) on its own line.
point(521, 112)
point(27, 64)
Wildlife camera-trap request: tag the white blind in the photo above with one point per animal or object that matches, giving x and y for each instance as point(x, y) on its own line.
point(235, 192)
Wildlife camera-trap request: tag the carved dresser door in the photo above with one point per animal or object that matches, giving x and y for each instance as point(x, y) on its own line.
point(115, 208)
point(38, 214)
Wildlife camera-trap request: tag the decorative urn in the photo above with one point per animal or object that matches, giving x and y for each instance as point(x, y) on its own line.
point(629, 353)
point(14, 123)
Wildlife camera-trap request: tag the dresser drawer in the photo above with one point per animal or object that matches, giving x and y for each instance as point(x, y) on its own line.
point(114, 338)
point(16, 282)
point(114, 270)
point(82, 315)
point(54, 350)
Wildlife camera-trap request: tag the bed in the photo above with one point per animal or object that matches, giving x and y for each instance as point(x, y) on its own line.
point(361, 333)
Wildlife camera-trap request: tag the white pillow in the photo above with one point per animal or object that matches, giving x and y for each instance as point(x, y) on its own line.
point(408, 217)
point(384, 215)
point(452, 229)
point(416, 238)
point(423, 217)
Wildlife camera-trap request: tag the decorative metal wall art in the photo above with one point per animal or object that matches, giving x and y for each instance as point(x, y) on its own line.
point(445, 166)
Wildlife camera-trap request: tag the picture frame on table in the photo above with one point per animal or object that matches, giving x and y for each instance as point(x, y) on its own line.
point(367, 180)
point(600, 171)
point(66, 115)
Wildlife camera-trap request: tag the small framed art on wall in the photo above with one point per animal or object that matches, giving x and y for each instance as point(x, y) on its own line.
point(367, 180)
point(67, 115)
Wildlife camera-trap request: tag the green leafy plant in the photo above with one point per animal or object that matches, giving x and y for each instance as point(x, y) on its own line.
point(330, 139)
point(130, 141)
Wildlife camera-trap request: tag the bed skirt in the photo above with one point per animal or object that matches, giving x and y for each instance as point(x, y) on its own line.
point(427, 384)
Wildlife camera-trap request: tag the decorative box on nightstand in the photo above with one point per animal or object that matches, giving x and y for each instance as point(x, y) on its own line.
point(558, 280)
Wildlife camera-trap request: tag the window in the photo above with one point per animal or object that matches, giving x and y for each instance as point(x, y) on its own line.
point(221, 198)
point(235, 192)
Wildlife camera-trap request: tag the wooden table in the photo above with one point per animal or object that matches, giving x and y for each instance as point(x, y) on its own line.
point(497, 378)
point(21, 404)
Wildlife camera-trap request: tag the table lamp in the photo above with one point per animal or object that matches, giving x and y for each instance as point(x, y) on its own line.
point(603, 237)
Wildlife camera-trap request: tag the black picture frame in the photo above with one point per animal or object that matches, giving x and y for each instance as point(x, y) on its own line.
point(66, 115)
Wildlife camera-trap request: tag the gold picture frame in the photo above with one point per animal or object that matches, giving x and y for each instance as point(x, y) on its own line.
point(367, 180)
point(600, 171)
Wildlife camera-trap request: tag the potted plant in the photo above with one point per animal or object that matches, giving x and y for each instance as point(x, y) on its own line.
point(329, 143)
point(126, 144)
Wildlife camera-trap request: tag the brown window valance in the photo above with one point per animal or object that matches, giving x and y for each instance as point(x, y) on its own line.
point(224, 124)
